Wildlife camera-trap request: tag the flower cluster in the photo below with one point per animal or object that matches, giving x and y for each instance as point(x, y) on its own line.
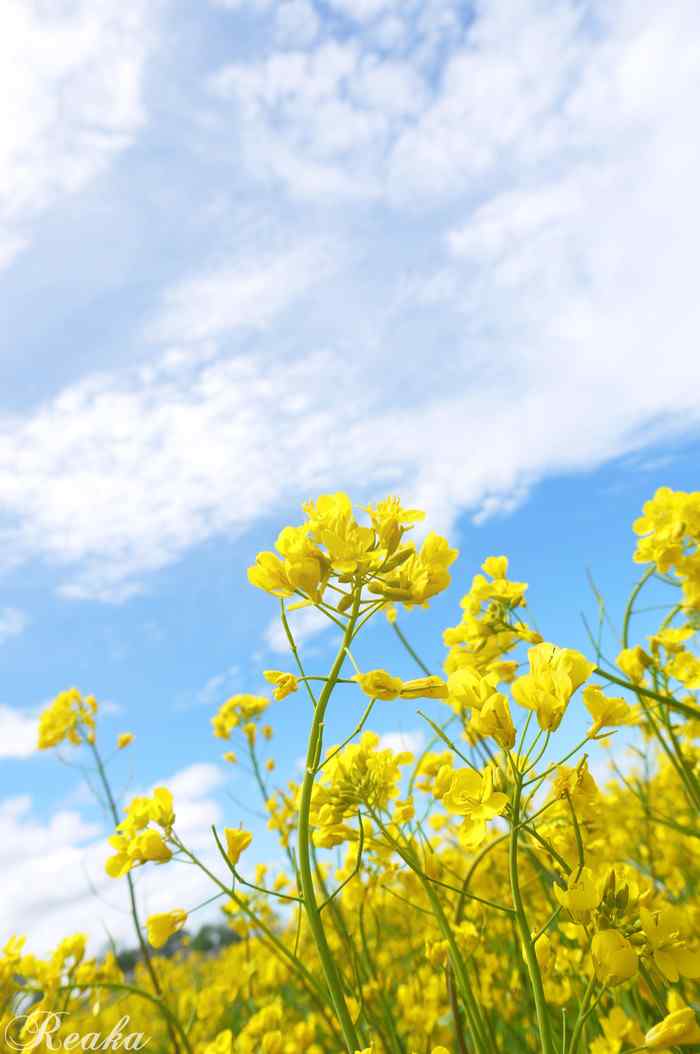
point(331, 544)
point(498, 892)
point(135, 840)
point(68, 717)
point(669, 530)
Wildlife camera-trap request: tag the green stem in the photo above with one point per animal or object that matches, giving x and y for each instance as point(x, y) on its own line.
point(311, 907)
point(582, 1014)
point(416, 658)
point(533, 967)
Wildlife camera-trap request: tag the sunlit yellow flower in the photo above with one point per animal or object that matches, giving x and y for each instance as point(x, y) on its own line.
point(424, 688)
point(555, 674)
point(161, 927)
point(237, 841)
point(606, 712)
point(69, 717)
point(378, 684)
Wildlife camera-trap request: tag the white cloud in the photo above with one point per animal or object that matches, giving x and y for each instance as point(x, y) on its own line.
point(72, 100)
point(362, 10)
point(18, 733)
point(297, 24)
point(458, 355)
point(413, 742)
point(305, 624)
point(12, 623)
point(33, 852)
point(241, 294)
point(215, 688)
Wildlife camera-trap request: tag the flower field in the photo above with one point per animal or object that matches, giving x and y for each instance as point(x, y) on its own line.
point(485, 895)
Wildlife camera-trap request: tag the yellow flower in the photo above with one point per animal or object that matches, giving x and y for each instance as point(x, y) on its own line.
point(578, 784)
point(494, 719)
point(614, 958)
point(124, 740)
point(236, 711)
point(357, 774)
point(633, 662)
point(161, 927)
point(378, 684)
point(679, 1029)
point(496, 566)
point(471, 795)
point(606, 713)
point(468, 689)
point(555, 674)
point(69, 717)
point(223, 1044)
point(424, 688)
point(670, 949)
point(618, 1029)
point(237, 840)
point(271, 1043)
point(133, 850)
point(285, 683)
point(268, 573)
point(581, 895)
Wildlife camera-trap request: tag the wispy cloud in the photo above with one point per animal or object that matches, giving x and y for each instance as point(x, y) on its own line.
point(73, 86)
point(212, 691)
point(243, 294)
point(305, 624)
point(12, 623)
point(18, 733)
point(33, 851)
point(413, 742)
point(478, 233)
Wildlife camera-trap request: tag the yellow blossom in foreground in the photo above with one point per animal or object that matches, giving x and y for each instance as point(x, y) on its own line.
point(124, 740)
point(606, 712)
point(424, 688)
point(468, 689)
point(471, 795)
point(161, 927)
point(135, 850)
point(134, 841)
point(237, 840)
point(378, 684)
point(679, 1028)
point(555, 674)
point(494, 719)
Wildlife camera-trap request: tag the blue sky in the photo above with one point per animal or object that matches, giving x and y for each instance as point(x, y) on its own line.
point(254, 250)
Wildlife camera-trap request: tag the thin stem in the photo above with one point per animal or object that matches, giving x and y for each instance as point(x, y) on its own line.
point(306, 877)
point(414, 655)
point(533, 967)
